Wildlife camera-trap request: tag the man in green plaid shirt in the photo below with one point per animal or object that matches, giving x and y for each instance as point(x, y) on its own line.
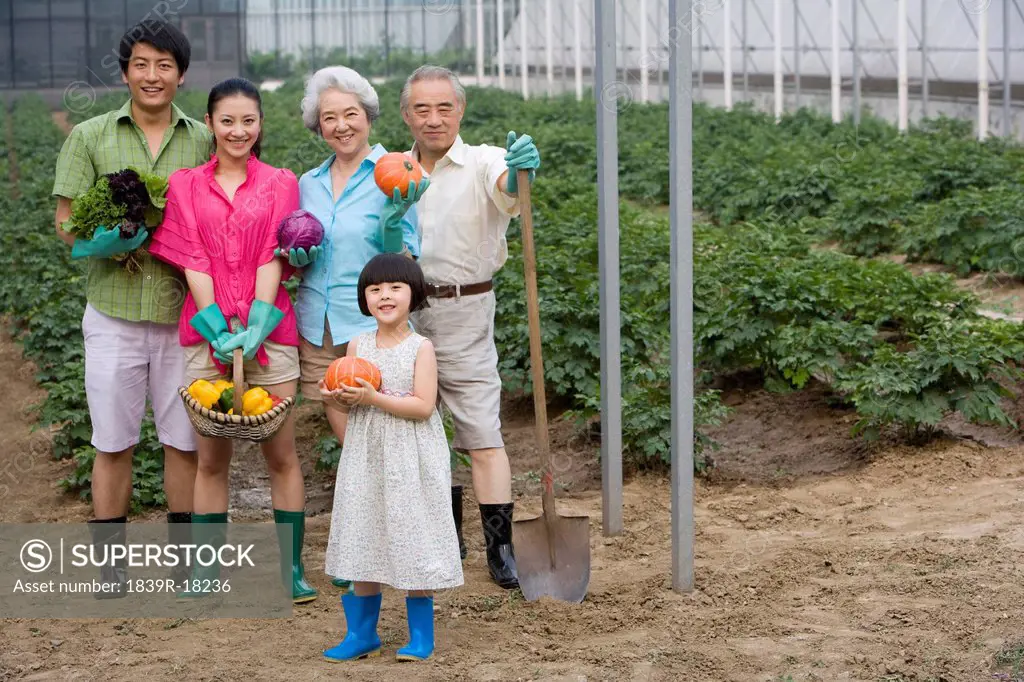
point(131, 320)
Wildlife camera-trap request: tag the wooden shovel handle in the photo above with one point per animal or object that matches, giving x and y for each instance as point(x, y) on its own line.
point(536, 356)
point(236, 369)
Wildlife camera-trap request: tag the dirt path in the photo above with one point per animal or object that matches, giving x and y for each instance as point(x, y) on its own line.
point(817, 558)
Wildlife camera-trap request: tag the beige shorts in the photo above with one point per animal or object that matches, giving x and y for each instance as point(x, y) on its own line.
point(314, 361)
point(468, 383)
point(124, 363)
point(284, 365)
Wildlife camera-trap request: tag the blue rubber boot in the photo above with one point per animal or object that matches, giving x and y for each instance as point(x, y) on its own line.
point(420, 612)
point(361, 639)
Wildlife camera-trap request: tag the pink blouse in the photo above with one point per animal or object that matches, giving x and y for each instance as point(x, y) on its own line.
point(228, 240)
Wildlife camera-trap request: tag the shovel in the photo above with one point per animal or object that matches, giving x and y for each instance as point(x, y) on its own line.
point(552, 550)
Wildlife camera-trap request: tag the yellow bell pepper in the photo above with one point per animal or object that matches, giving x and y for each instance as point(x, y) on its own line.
point(221, 385)
point(256, 401)
point(204, 393)
point(264, 406)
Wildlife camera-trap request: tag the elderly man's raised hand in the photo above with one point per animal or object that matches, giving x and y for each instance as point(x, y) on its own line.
point(521, 154)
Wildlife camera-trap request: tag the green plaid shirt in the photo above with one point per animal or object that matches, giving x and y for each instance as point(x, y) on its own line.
point(109, 143)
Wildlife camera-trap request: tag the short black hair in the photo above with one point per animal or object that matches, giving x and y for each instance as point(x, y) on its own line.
point(161, 34)
point(393, 267)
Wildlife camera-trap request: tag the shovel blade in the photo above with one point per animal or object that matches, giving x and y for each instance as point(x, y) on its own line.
point(568, 579)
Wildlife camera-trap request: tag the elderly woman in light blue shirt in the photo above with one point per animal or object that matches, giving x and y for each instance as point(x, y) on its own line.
point(359, 223)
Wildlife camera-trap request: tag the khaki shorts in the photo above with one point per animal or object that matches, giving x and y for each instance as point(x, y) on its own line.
point(314, 361)
point(468, 383)
point(284, 365)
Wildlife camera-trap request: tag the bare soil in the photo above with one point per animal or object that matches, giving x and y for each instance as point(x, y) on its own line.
point(817, 557)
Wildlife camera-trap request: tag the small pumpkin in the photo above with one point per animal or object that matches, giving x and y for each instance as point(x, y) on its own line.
point(395, 169)
point(345, 370)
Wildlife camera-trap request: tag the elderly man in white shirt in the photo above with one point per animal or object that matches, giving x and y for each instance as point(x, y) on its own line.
point(462, 219)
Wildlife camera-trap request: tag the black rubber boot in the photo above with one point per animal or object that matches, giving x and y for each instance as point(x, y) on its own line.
point(457, 513)
point(501, 558)
point(109, 533)
point(179, 532)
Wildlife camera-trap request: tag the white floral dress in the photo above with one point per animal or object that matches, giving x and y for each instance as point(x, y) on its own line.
point(392, 520)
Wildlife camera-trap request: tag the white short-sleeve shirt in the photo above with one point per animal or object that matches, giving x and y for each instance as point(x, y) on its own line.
point(463, 216)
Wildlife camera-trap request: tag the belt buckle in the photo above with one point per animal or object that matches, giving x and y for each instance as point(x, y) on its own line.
point(458, 292)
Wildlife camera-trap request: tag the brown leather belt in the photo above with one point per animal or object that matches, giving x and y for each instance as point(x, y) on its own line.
point(457, 290)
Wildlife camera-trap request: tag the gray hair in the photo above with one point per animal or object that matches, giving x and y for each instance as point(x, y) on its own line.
point(428, 72)
point(339, 78)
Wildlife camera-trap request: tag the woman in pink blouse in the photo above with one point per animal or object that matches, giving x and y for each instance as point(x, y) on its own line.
point(220, 228)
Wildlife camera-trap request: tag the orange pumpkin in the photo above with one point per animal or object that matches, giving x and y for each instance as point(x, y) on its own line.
point(345, 370)
point(395, 169)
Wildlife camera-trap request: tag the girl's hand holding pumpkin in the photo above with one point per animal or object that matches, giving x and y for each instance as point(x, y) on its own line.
point(336, 398)
point(365, 394)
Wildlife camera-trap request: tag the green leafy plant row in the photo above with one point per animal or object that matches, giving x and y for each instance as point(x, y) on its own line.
point(43, 295)
point(901, 350)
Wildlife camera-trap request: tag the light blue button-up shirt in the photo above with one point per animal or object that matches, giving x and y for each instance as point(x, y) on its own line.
point(351, 238)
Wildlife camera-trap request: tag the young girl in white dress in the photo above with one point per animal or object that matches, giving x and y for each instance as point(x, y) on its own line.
point(392, 522)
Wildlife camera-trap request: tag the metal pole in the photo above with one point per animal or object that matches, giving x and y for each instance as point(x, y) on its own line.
point(501, 44)
point(727, 55)
point(277, 36)
point(562, 45)
point(243, 34)
point(924, 58)
point(349, 27)
point(983, 73)
point(901, 31)
point(88, 45)
point(550, 37)
point(49, 40)
point(524, 37)
point(577, 24)
point(312, 33)
point(681, 296)
point(1007, 122)
point(856, 68)
point(10, 32)
point(796, 50)
point(387, 37)
point(777, 35)
point(744, 48)
point(479, 42)
point(644, 78)
point(700, 58)
point(608, 266)
point(837, 78)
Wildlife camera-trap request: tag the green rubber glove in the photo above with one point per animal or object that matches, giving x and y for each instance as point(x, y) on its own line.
point(394, 210)
point(212, 326)
point(106, 243)
point(522, 154)
point(300, 258)
point(263, 318)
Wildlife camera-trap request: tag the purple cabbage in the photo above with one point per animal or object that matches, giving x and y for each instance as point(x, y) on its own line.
point(128, 189)
point(299, 230)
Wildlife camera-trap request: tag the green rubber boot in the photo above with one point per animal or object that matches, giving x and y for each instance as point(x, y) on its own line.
point(342, 583)
point(207, 529)
point(294, 573)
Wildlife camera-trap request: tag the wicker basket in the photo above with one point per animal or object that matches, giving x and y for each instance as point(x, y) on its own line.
point(214, 424)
